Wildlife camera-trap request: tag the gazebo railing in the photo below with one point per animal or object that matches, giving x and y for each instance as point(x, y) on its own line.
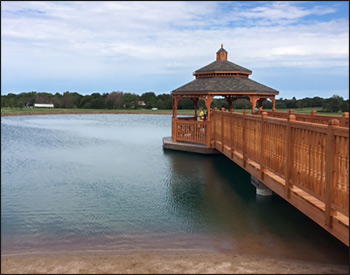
point(190, 131)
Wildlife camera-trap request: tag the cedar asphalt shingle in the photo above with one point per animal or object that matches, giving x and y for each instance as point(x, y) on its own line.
point(225, 85)
point(223, 66)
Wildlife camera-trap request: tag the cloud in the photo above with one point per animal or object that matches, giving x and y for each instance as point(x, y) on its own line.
point(124, 39)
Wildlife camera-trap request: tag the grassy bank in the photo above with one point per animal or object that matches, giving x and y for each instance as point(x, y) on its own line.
point(37, 111)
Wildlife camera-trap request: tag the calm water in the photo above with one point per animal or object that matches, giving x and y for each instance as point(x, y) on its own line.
point(104, 182)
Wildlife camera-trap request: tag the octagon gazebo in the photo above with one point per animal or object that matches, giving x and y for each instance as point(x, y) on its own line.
point(219, 78)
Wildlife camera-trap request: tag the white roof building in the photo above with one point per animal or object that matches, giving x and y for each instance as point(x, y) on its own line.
point(41, 105)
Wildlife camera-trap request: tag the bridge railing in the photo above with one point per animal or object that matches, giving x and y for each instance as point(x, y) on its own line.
point(313, 117)
point(313, 157)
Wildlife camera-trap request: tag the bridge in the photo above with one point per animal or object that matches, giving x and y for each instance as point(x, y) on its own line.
point(304, 158)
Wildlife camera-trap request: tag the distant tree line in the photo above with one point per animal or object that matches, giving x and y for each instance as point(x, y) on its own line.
point(148, 100)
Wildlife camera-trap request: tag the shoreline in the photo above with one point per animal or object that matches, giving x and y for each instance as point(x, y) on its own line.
point(88, 113)
point(151, 261)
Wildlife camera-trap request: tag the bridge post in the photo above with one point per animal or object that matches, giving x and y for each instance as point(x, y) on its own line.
point(344, 119)
point(262, 146)
point(244, 139)
point(222, 129)
point(330, 159)
point(289, 162)
point(261, 189)
point(231, 136)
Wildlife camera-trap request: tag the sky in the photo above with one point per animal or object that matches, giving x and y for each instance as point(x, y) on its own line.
point(300, 48)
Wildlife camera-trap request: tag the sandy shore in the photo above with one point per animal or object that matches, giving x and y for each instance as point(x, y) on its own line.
point(159, 261)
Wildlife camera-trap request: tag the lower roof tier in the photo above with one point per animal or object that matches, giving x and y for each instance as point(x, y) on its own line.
point(224, 85)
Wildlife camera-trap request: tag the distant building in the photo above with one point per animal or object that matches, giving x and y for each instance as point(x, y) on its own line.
point(42, 105)
point(141, 103)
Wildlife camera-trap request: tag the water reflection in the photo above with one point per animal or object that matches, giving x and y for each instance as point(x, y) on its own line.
point(218, 196)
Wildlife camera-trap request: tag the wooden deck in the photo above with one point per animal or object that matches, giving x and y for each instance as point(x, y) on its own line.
point(168, 143)
point(305, 163)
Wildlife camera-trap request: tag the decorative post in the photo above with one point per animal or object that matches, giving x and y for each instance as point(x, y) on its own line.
point(330, 159)
point(195, 102)
point(208, 102)
point(262, 146)
point(289, 149)
point(222, 129)
point(243, 139)
point(261, 102)
point(344, 119)
point(313, 115)
point(273, 104)
point(174, 120)
point(231, 136)
point(253, 100)
point(216, 117)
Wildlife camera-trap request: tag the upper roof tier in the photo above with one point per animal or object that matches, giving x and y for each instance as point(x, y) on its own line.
point(222, 67)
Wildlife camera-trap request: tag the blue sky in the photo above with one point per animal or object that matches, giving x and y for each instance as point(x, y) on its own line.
point(299, 48)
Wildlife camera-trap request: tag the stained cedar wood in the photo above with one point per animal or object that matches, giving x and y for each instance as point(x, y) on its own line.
point(315, 179)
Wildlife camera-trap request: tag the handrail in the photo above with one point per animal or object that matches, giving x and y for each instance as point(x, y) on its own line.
point(314, 117)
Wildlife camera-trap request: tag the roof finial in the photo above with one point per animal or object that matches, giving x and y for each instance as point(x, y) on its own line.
point(222, 46)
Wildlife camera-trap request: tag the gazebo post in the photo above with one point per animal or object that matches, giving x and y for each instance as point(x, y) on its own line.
point(175, 103)
point(195, 102)
point(273, 104)
point(229, 101)
point(253, 100)
point(208, 102)
point(261, 101)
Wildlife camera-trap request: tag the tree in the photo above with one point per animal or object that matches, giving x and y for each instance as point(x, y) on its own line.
point(130, 100)
point(150, 99)
point(160, 104)
point(167, 99)
point(67, 100)
point(114, 100)
point(186, 104)
point(333, 104)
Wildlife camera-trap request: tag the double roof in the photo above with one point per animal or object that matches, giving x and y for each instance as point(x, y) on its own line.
point(223, 77)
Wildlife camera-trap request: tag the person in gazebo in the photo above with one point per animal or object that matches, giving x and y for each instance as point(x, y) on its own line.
point(201, 114)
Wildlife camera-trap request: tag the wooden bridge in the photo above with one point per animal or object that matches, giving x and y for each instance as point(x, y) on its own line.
point(303, 158)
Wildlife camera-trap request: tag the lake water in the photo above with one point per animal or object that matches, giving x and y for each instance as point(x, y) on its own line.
point(99, 182)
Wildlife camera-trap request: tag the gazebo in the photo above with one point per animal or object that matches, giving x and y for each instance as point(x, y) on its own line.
point(226, 79)
point(220, 78)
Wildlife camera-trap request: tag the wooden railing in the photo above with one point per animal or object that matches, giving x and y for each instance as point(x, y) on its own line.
point(190, 131)
point(300, 159)
point(313, 157)
point(313, 117)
